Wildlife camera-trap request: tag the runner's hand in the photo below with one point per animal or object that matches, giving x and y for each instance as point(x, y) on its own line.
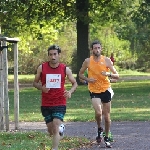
point(91, 80)
point(67, 94)
point(104, 73)
point(44, 89)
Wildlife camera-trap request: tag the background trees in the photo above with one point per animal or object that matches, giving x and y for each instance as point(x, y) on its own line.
point(123, 26)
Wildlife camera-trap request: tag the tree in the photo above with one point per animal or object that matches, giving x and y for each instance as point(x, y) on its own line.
point(23, 15)
point(82, 33)
point(137, 30)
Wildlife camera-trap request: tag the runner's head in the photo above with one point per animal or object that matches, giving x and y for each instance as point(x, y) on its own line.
point(54, 54)
point(54, 47)
point(96, 48)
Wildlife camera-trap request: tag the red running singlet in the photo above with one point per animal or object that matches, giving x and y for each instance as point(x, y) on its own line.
point(55, 95)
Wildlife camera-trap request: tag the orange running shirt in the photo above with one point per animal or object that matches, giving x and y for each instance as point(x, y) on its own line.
point(102, 82)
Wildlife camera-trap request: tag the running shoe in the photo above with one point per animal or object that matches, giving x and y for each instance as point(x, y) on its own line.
point(99, 136)
point(61, 130)
point(110, 136)
point(98, 139)
point(107, 142)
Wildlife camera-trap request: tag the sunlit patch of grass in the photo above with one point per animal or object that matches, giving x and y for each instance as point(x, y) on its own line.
point(130, 114)
point(36, 141)
point(79, 115)
point(24, 140)
point(132, 73)
point(22, 78)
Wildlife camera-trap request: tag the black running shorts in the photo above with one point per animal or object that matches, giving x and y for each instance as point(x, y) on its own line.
point(104, 96)
point(49, 113)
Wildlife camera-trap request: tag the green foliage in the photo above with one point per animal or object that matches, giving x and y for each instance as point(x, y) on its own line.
point(142, 15)
point(107, 10)
point(112, 44)
point(33, 51)
point(136, 30)
point(123, 27)
point(68, 45)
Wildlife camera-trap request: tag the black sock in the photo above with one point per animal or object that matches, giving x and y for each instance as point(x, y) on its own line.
point(99, 131)
point(105, 138)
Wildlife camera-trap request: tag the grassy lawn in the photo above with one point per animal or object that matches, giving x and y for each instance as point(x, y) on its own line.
point(35, 141)
point(130, 103)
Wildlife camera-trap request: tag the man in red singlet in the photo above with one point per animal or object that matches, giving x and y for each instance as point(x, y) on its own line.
point(52, 75)
point(99, 86)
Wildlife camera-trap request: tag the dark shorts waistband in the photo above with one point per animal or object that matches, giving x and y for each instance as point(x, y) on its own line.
point(104, 96)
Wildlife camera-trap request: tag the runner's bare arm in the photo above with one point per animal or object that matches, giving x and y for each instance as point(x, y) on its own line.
point(113, 74)
point(71, 79)
point(36, 81)
point(82, 70)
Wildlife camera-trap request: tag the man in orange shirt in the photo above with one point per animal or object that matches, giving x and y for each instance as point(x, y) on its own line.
point(100, 87)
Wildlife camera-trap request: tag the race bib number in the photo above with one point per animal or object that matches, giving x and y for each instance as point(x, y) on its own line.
point(53, 80)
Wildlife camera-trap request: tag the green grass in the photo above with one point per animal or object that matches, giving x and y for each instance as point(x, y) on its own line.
point(133, 73)
point(130, 102)
point(35, 141)
point(29, 78)
point(122, 73)
point(21, 78)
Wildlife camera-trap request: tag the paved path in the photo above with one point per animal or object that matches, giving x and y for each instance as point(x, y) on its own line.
point(127, 135)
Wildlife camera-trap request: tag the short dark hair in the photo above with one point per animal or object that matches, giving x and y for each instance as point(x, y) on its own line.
point(95, 42)
point(54, 47)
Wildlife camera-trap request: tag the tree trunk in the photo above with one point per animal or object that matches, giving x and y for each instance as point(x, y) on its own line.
point(82, 34)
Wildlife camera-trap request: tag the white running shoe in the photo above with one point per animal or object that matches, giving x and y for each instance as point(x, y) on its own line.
point(107, 142)
point(61, 130)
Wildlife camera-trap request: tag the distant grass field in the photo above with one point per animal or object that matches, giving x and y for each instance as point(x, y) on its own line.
point(29, 78)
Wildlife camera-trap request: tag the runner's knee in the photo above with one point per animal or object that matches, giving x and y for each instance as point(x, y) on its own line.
point(98, 114)
point(107, 119)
